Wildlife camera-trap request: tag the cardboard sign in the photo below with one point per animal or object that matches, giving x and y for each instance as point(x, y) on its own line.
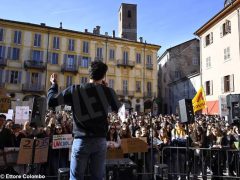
point(114, 153)
point(133, 145)
point(11, 154)
point(26, 149)
point(5, 104)
point(22, 114)
point(62, 141)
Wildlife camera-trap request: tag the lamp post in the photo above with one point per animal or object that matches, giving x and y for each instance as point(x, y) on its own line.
point(154, 112)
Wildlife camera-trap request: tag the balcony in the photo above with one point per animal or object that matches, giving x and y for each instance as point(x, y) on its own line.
point(2, 85)
point(149, 66)
point(69, 68)
point(32, 64)
point(3, 62)
point(149, 95)
point(123, 63)
point(37, 88)
point(98, 58)
point(125, 93)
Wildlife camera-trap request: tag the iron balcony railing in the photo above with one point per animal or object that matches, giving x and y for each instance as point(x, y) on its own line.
point(35, 64)
point(149, 66)
point(125, 93)
point(28, 87)
point(3, 62)
point(149, 94)
point(125, 63)
point(69, 68)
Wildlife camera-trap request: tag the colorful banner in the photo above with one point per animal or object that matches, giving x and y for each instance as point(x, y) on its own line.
point(62, 141)
point(198, 101)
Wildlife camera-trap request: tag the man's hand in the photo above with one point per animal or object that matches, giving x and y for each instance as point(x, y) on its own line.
point(53, 78)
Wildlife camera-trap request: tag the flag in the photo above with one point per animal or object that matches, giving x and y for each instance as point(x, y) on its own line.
point(122, 113)
point(198, 101)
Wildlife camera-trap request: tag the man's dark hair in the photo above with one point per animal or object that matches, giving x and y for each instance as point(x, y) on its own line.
point(97, 70)
point(3, 116)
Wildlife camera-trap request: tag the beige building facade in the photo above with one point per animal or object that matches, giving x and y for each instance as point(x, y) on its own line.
point(30, 53)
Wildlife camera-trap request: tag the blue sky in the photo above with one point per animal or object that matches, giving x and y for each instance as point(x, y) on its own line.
point(166, 23)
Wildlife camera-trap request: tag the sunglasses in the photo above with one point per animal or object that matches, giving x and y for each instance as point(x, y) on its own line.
point(58, 128)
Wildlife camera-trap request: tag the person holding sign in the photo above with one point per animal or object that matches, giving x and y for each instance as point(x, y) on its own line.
point(6, 139)
point(90, 103)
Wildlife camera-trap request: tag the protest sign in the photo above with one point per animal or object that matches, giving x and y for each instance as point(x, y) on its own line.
point(22, 114)
point(11, 154)
point(62, 141)
point(5, 104)
point(26, 149)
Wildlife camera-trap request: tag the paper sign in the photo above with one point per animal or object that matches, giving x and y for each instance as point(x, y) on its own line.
point(26, 149)
point(22, 114)
point(67, 108)
point(5, 104)
point(11, 154)
point(62, 141)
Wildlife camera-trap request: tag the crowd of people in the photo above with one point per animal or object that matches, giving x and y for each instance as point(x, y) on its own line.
point(163, 130)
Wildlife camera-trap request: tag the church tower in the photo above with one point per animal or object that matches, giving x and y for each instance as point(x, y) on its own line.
point(127, 23)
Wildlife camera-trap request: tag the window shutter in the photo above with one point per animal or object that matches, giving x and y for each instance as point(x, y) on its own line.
point(7, 79)
point(49, 57)
point(31, 55)
point(20, 37)
point(1, 76)
point(79, 60)
point(75, 60)
point(204, 41)
point(41, 56)
point(211, 87)
point(3, 52)
point(39, 80)
point(205, 87)
point(9, 53)
point(28, 77)
point(232, 83)
point(211, 37)
point(222, 84)
point(19, 77)
point(229, 26)
point(65, 59)
point(221, 31)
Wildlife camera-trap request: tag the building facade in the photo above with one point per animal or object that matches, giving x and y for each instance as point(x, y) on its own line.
point(220, 55)
point(176, 65)
point(30, 53)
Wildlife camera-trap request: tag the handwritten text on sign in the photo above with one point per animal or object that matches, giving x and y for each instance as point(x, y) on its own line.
point(25, 152)
point(62, 141)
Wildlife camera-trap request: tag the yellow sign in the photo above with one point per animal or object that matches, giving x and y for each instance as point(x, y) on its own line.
point(198, 101)
point(5, 104)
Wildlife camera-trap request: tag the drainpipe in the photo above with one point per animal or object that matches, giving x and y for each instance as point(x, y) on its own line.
point(46, 80)
point(238, 12)
point(144, 59)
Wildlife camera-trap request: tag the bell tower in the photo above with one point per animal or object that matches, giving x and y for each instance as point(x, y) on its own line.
point(127, 21)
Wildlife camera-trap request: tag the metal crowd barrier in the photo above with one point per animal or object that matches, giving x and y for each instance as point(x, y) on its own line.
point(202, 163)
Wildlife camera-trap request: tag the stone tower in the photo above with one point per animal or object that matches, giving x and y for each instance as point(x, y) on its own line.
point(127, 22)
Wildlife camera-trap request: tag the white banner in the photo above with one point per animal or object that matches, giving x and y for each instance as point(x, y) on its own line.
point(62, 141)
point(22, 114)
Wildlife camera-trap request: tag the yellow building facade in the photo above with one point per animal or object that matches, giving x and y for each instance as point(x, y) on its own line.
point(30, 53)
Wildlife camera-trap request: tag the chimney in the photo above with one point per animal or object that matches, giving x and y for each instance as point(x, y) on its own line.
point(113, 33)
point(86, 30)
point(98, 29)
point(42, 24)
point(60, 25)
point(94, 30)
point(141, 39)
